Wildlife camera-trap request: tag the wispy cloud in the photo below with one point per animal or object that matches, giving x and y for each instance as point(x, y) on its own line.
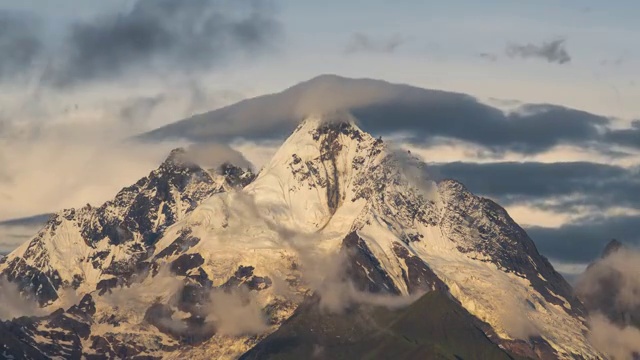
point(552, 51)
point(360, 42)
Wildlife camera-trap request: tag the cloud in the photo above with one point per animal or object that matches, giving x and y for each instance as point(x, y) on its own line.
point(629, 137)
point(236, 313)
point(422, 116)
point(321, 270)
point(609, 289)
point(13, 304)
point(611, 285)
point(20, 44)
point(144, 290)
point(36, 174)
point(559, 186)
point(212, 155)
point(583, 239)
point(552, 51)
point(163, 35)
point(616, 341)
point(140, 109)
point(360, 42)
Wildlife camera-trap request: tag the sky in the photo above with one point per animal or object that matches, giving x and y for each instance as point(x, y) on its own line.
point(78, 76)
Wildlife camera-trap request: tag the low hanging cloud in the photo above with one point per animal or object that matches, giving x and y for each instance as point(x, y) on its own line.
point(323, 272)
point(552, 51)
point(611, 286)
point(619, 342)
point(37, 161)
point(609, 289)
point(236, 313)
point(360, 42)
point(13, 304)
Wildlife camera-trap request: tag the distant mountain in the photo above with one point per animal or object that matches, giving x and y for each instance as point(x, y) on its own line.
point(609, 281)
point(193, 263)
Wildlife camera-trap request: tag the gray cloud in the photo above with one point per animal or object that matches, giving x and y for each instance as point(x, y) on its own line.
point(626, 137)
point(582, 240)
point(567, 184)
point(566, 187)
point(14, 304)
point(383, 108)
point(616, 341)
point(609, 289)
point(154, 35)
point(360, 42)
point(212, 155)
point(489, 56)
point(138, 110)
point(20, 44)
point(552, 51)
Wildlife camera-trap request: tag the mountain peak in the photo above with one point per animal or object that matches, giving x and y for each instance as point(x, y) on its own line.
point(333, 119)
point(176, 155)
point(612, 246)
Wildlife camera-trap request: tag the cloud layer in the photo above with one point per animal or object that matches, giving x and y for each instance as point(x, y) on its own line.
point(559, 186)
point(422, 116)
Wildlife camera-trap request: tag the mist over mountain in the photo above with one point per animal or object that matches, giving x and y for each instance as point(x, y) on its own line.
point(269, 179)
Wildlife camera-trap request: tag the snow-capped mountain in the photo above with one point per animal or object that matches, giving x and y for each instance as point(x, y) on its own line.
point(89, 247)
point(188, 262)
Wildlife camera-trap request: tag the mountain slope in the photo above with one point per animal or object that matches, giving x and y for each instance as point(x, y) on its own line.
point(331, 183)
point(197, 269)
point(99, 247)
point(433, 327)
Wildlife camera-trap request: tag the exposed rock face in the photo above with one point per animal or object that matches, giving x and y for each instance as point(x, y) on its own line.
point(110, 243)
point(183, 248)
point(58, 335)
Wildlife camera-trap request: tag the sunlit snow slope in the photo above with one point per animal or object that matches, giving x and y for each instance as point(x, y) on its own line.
point(330, 190)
